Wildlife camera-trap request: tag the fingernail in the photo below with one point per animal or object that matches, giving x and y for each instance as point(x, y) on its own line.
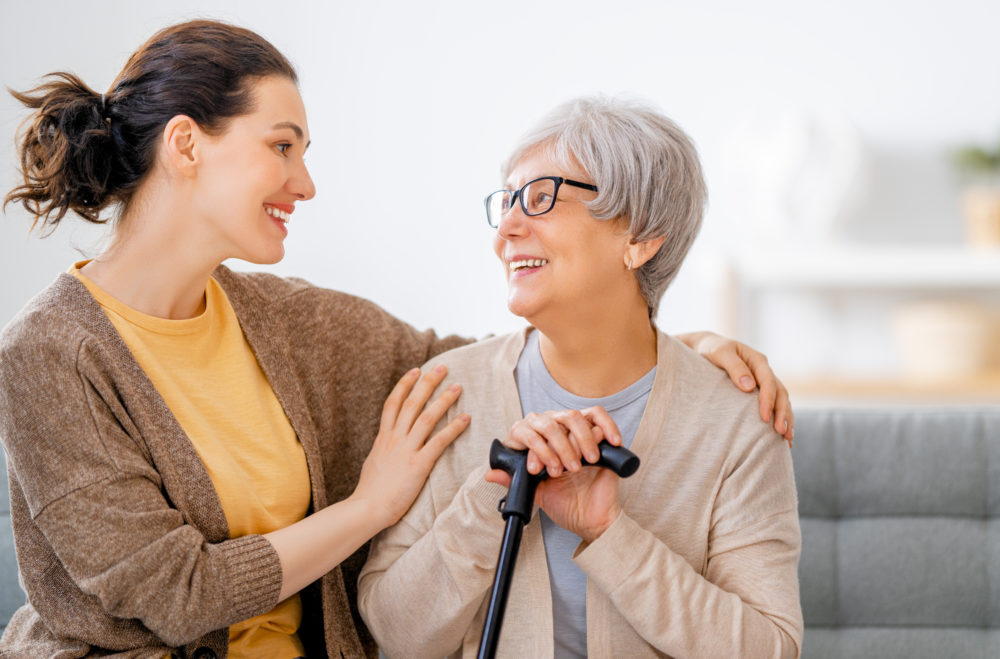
point(746, 382)
point(784, 426)
point(574, 466)
point(592, 457)
point(465, 418)
point(439, 368)
point(413, 371)
point(454, 388)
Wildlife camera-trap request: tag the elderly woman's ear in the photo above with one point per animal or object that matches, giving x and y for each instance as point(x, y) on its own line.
point(638, 253)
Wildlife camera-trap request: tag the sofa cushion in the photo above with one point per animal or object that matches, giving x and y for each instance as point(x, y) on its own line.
point(900, 532)
point(11, 595)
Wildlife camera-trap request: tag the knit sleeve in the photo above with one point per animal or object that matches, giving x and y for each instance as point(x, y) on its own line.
point(95, 515)
point(359, 330)
point(747, 601)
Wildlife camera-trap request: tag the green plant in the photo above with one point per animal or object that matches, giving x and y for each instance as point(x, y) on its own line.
point(978, 160)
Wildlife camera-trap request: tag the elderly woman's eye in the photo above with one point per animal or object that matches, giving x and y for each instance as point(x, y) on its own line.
point(539, 200)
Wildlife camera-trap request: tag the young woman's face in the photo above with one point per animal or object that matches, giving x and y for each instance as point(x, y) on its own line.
point(252, 174)
point(581, 258)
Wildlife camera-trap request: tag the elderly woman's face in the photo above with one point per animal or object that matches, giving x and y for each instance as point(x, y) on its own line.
point(565, 261)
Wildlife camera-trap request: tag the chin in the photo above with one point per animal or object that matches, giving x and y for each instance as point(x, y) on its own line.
point(266, 258)
point(521, 307)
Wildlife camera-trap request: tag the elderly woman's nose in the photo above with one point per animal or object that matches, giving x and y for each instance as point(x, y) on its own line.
point(512, 223)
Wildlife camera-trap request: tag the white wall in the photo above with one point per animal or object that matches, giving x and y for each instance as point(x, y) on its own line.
point(412, 105)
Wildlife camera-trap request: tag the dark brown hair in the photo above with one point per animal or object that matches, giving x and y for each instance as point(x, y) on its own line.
point(83, 151)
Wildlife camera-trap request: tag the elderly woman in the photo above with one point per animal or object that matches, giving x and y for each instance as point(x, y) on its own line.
point(694, 556)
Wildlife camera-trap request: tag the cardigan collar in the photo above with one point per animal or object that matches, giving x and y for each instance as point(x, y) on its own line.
point(257, 323)
point(653, 418)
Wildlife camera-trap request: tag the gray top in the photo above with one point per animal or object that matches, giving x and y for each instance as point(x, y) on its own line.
point(539, 392)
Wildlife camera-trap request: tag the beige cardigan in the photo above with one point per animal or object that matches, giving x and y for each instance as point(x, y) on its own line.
point(121, 541)
point(702, 562)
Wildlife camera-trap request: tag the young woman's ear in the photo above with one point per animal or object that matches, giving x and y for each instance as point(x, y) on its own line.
point(638, 253)
point(181, 142)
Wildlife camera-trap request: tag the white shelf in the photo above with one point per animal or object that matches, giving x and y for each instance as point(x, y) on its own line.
point(939, 267)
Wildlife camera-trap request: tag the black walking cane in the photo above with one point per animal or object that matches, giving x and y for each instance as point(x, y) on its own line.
point(516, 511)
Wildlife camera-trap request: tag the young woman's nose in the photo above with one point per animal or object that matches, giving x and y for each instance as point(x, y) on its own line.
point(301, 184)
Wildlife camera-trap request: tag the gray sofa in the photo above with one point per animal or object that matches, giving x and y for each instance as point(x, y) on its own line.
point(900, 532)
point(900, 515)
point(11, 595)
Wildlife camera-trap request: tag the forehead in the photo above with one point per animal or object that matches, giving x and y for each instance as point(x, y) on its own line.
point(277, 102)
point(540, 161)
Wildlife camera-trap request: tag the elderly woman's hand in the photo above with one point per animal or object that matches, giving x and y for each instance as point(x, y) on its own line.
point(556, 440)
point(747, 368)
point(577, 497)
point(585, 502)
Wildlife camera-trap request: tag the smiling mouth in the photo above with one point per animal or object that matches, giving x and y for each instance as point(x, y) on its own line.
point(527, 263)
point(278, 214)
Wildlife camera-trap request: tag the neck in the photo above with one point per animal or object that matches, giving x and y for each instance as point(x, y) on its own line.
point(597, 357)
point(154, 265)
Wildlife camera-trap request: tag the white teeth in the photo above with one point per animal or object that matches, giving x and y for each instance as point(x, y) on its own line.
point(528, 263)
point(277, 213)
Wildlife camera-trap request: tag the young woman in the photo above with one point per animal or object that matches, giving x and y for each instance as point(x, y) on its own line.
point(696, 555)
point(196, 455)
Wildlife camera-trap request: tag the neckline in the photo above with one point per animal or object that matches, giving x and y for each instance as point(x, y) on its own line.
point(163, 326)
point(569, 400)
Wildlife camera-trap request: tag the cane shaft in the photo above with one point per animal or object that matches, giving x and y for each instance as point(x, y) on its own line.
point(501, 587)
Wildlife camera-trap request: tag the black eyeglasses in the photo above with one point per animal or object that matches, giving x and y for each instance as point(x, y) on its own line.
point(537, 197)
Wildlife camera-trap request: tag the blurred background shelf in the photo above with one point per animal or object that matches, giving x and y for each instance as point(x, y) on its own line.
point(859, 322)
point(929, 268)
point(981, 388)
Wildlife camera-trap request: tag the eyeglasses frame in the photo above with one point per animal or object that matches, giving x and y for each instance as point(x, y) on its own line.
point(518, 195)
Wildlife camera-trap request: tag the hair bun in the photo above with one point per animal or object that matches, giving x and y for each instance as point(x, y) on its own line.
point(67, 151)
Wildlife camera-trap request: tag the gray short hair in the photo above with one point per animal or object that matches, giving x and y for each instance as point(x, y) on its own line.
point(645, 168)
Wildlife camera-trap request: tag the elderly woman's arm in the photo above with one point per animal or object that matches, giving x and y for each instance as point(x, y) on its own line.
point(426, 577)
point(746, 600)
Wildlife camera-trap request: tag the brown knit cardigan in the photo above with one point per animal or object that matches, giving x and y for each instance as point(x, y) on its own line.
point(121, 541)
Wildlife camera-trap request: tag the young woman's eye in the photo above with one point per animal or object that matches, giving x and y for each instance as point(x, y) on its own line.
point(284, 147)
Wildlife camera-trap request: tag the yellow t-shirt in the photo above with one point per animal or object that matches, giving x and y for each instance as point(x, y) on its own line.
point(209, 378)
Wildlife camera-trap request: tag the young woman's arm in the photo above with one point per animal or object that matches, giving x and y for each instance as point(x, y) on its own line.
point(747, 368)
point(391, 478)
point(88, 499)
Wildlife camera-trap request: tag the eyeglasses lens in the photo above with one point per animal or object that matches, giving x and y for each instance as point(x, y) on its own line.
point(536, 198)
point(539, 196)
point(497, 205)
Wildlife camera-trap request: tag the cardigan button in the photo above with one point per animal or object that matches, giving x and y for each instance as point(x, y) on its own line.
point(204, 653)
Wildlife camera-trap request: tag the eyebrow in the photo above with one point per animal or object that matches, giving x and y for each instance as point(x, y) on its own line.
point(295, 129)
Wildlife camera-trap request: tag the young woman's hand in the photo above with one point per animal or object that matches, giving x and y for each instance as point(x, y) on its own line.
point(747, 368)
point(558, 440)
point(404, 450)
